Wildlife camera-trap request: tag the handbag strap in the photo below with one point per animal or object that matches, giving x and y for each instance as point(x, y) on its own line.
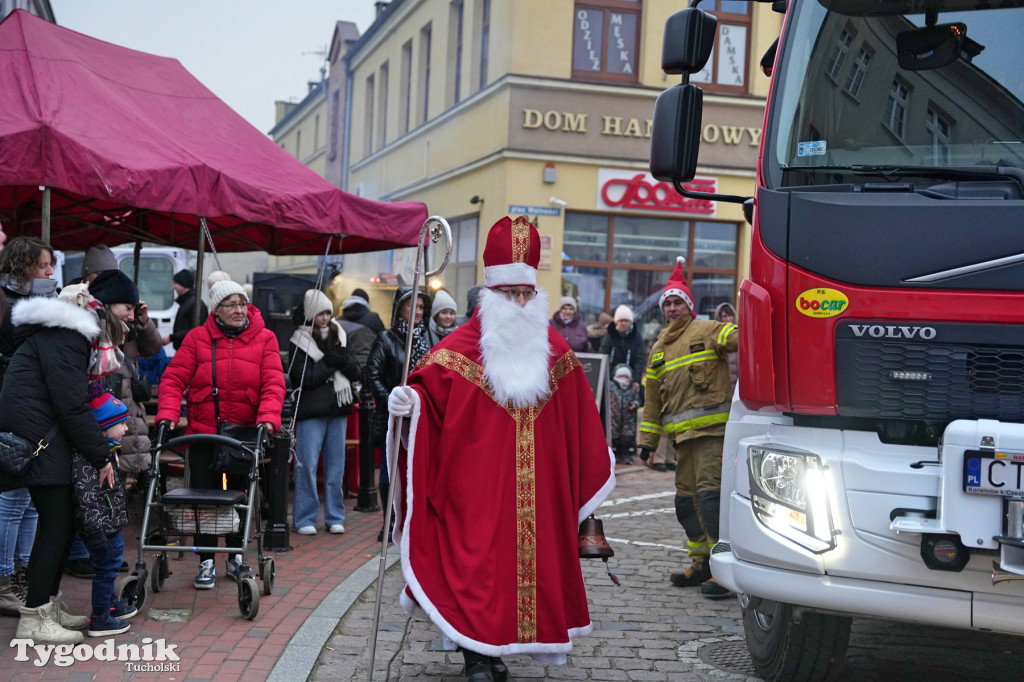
point(216, 398)
point(44, 442)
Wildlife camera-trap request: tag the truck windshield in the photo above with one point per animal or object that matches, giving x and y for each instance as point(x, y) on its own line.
point(844, 104)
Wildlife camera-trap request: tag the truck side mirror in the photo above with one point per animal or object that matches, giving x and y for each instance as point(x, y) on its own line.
point(689, 38)
point(675, 133)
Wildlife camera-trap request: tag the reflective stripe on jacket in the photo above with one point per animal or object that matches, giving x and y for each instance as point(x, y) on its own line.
point(688, 382)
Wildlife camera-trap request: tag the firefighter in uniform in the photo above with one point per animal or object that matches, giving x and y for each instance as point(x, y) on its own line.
point(687, 399)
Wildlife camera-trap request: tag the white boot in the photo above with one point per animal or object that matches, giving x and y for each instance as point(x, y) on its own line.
point(39, 625)
point(10, 605)
point(65, 619)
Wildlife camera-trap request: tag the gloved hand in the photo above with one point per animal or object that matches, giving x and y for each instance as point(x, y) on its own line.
point(334, 357)
point(401, 401)
point(645, 454)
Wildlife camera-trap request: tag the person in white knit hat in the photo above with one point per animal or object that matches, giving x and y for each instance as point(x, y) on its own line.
point(443, 314)
point(324, 370)
point(249, 384)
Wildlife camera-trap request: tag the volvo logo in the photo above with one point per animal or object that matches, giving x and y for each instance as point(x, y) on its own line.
point(879, 331)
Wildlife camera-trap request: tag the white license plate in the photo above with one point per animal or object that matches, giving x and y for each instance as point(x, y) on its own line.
point(994, 473)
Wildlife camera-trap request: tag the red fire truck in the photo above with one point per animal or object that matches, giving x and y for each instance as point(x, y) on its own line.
point(874, 455)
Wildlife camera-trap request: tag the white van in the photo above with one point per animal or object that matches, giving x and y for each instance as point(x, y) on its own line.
point(157, 265)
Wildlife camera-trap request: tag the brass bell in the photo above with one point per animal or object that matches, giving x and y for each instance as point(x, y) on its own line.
point(593, 544)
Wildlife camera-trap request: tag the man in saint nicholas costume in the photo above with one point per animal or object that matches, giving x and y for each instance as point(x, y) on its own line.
point(504, 457)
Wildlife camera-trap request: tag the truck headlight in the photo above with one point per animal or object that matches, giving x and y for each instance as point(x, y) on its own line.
point(787, 490)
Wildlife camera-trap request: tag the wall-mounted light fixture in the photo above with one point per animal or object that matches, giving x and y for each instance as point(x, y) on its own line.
point(560, 203)
point(477, 199)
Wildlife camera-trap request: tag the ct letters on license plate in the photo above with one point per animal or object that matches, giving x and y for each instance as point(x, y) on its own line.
point(994, 473)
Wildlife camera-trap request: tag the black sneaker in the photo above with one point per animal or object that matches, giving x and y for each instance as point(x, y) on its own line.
point(106, 625)
point(79, 568)
point(712, 590)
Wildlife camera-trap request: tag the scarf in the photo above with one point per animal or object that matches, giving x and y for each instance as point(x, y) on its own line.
point(228, 330)
point(420, 345)
point(105, 357)
point(440, 331)
point(303, 340)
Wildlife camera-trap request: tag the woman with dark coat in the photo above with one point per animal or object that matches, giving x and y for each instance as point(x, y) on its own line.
point(46, 398)
point(624, 346)
point(324, 369)
point(383, 369)
point(567, 322)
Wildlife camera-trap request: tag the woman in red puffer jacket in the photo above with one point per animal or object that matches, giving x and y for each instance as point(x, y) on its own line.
point(250, 390)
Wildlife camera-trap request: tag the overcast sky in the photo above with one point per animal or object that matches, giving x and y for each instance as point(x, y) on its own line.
point(248, 52)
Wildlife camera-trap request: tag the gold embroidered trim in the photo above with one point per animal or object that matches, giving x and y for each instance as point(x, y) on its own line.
point(520, 239)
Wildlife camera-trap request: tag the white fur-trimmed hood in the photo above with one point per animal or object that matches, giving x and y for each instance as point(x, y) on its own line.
point(54, 313)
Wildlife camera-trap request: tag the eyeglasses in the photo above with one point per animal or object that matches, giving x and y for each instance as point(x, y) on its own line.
point(236, 306)
point(524, 293)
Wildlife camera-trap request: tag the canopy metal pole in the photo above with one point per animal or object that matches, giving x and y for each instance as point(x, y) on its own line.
point(137, 257)
point(200, 256)
point(45, 234)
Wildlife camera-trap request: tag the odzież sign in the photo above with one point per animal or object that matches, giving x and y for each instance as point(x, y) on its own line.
point(624, 190)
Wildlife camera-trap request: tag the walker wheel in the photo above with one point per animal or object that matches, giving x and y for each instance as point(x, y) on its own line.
point(132, 589)
point(161, 570)
point(267, 573)
point(248, 598)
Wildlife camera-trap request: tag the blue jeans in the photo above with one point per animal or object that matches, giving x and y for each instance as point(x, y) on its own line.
point(78, 548)
point(312, 436)
point(18, 520)
point(106, 554)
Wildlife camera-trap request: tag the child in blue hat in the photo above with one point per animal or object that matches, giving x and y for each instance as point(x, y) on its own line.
point(100, 515)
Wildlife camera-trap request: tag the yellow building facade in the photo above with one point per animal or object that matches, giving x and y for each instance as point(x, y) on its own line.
point(482, 108)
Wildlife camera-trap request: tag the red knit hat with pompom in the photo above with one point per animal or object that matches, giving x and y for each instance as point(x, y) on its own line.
point(677, 287)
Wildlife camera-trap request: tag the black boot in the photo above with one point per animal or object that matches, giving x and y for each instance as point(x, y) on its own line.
point(478, 667)
point(498, 669)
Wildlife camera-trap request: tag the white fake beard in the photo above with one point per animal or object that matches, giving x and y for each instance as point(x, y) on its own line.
point(515, 347)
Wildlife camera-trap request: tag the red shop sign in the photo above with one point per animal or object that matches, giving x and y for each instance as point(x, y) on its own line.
point(642, 192)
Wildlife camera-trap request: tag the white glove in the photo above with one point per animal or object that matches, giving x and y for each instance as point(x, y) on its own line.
point(401, 401)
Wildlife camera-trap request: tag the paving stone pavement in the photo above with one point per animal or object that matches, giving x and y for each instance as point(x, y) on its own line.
point(645, 629)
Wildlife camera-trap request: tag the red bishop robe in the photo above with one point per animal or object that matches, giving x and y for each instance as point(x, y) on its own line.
point(491, 498)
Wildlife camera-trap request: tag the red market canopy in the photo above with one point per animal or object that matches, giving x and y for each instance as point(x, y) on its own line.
point(133, 147)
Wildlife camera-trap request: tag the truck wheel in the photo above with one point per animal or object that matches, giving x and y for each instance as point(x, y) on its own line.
point(786, 650)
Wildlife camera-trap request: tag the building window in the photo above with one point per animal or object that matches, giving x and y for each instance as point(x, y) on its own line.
point(368, 117)
point(857, 71)
point(382, 110)
point(406, 86)
point(423, 78)
point(298, 145)
point(460, 275)
point(610, 260)
point(726, 70)
point(605, 38)
point(455, 15)
point(334, 114)
point(839, 52)
point(316, 133)
point(939, 130)
point(896, 105)
point(485, 40)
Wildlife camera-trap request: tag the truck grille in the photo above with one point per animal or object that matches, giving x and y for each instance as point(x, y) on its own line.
point(961, 372)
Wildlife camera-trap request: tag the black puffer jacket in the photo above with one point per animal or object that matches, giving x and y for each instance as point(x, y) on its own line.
point(360, 314)
point(625, 349)
point(47, 384)
point(383, 369)
point(317, 398)
point(183, 320)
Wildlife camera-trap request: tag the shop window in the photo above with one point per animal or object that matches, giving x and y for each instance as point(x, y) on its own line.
point(460, 275)
point(611, 260)
point(726, 70)
point(605, 38)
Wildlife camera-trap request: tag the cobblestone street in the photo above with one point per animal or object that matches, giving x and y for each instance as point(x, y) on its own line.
point(646, 629)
